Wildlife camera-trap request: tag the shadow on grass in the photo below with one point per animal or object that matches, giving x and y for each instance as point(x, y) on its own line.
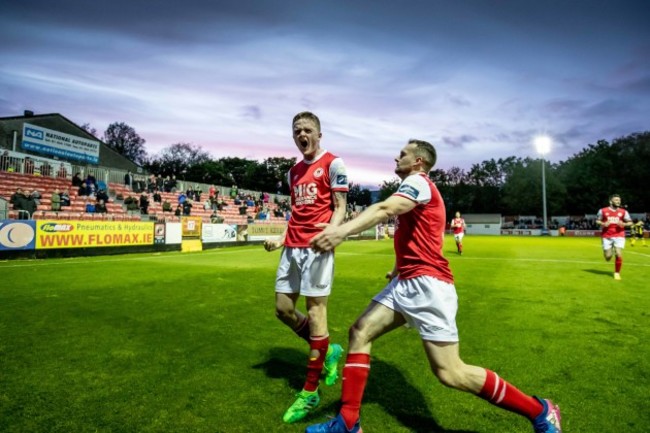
point(598, 272)
point(386, 387)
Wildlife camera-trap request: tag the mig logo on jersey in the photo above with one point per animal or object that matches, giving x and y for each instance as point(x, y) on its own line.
point(305, 193)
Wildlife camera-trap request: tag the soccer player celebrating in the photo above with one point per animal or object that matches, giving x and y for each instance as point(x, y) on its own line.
point(421, 293)
point(319, 189)
point(458, 224)
point(612, 221)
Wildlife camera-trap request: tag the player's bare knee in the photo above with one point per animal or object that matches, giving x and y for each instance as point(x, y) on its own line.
point(452, 378)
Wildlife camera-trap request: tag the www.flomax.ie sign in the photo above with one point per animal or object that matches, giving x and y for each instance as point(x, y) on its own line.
point(50, 142)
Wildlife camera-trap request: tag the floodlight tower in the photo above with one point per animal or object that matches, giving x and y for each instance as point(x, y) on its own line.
point(543, 145)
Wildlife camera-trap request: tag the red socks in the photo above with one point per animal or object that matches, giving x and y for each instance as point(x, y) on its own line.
point(500, 393)
point(355, 377)
point(618, 264)
point(315, 365)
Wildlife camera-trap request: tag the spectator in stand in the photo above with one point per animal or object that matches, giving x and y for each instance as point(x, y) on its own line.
point(197, 193)
point(189, 193)
point(187, 207)
point(160, 183)
point(182, 198)
point(102, 195)
point(20, 203)
point(167, 184)
point(233, 191)
point(100, 207)
point(46, 169)
point(65, 197)
point(173, 184)
point(249, 201)
point(77, 181)
point(144, 203)
point(166, 206)
point(243, 209)
point(157, 198)
point(56, 200)
point(90, 206)
point(151, 184)
point(36, 196)
point(83, 190)
point(215, 218)
point(128, 180)
point(212, 191)
point(28, 165)
point(179, 210)
point(62, 173)
point(206, 204)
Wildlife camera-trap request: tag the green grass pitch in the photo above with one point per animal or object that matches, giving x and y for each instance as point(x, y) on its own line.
point(189, 342)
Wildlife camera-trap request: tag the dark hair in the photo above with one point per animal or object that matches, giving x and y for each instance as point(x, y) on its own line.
point(611, 197)
point(307, 115)
point(426, 151)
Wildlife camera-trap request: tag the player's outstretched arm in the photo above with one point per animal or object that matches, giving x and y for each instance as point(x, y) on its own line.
point(332, 236)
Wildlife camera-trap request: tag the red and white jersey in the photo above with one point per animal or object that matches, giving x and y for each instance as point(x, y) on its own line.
point(614, 216)
point(458, 224)
point(419, 233)
point(312, 185)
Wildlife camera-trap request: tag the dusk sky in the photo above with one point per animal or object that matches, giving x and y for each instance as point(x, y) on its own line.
point(478, 79)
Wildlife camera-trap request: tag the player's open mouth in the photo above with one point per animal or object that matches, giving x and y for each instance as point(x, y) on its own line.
point(304, 144)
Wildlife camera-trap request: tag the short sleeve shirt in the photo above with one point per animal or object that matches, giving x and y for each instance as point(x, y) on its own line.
point(614, 216)
point(419, 233)
point(312, 185)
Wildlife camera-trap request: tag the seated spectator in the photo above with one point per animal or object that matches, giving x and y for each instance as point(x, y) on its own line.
point(90, 206)
point(144, 203)
point(166, 206)
point(215, 218)
point(83, 190)
point(222, 205)
point(250, 202)
point(181, 198)
point(179, 210)
point(250, 219)
point(236, 201)
point(277, 212)
point(261, 215)
point(206, 204)
point(102, 195)
point(100, 207)
point(56, 200)
point(243, 209)
point(76, 180)
point(20, 203)
point(36, 196)
point(187, 207)
point(132, 204)
point(65, 198)
point(157, 198)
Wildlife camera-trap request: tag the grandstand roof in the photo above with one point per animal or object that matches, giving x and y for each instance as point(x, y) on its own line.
point(57, 122)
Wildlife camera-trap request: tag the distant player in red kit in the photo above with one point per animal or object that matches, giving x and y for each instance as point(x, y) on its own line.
point(613, 220)
point(319, 187)
point(421, 292)
point(458, 225)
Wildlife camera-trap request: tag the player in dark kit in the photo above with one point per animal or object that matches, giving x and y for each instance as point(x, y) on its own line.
point(421, 293)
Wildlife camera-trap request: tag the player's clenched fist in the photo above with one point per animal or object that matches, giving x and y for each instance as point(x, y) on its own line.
point(272, 244)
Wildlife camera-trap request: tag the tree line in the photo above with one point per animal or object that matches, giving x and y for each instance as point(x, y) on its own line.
point(509, 186)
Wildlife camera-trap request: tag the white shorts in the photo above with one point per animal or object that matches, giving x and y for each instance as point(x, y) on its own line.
point(458, 237)
point(608, 243)
point(428, 305)
point(301, 270)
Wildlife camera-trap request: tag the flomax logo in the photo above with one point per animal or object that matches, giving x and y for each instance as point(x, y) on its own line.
point(55, 228)
point(34, 133)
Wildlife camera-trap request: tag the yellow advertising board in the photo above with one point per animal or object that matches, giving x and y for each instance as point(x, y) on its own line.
point(191, 226)
point(88, 234)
